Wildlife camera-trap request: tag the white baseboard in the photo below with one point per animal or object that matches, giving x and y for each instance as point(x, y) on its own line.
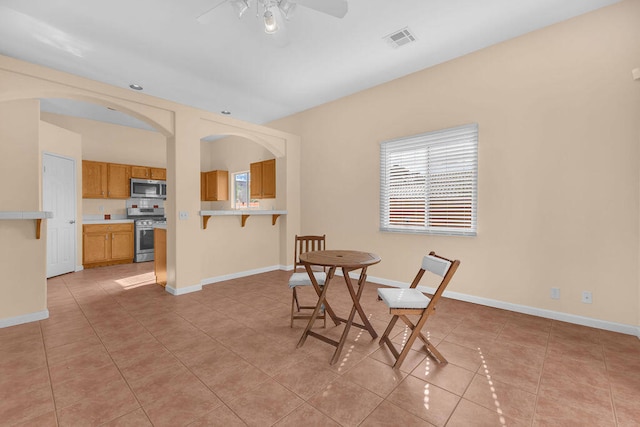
point(217, 279)
point(182, 291)
point(549, 314)
point(24, 318)
point(540, 312)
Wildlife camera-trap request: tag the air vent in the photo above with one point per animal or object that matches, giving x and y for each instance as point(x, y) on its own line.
point(400, 37)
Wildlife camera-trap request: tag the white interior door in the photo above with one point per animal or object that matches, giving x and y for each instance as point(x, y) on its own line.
point(59, 196)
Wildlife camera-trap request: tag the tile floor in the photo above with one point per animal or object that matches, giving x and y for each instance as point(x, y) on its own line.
point(120, 351)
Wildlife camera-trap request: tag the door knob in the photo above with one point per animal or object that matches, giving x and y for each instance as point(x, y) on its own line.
point(73, 221)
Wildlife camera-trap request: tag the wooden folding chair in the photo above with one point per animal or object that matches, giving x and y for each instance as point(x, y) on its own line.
point(403, 302)
point(301, 278)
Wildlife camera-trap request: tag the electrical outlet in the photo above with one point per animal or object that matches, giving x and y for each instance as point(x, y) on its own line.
point(555, 293)
point(587, 298)
point(184, 215)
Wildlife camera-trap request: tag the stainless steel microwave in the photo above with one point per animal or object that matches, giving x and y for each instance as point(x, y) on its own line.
point(148, 189)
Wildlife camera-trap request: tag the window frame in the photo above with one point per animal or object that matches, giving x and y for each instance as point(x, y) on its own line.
point(445, 160)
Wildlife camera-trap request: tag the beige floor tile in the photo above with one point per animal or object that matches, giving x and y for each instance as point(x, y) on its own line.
point(375, 376)
point(501, 398)
point(470, 414)
point(222, 416)
point(345, 402)
point(447, 376)
point(427, 401)
point(265, 404)
point(388, 414)
point(307, 416)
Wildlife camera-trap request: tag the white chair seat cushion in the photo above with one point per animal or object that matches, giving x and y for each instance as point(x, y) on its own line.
point(302, 279)
point(403, 298)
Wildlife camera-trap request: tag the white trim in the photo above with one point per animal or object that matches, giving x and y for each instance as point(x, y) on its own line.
point(540, 312)
point(24, 318)
point(182, 291)
point(217, 279)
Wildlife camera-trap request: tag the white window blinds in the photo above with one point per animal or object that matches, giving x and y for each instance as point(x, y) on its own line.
point(428, 182)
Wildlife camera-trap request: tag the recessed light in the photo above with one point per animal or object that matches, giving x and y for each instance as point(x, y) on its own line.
point(225, 112)
point(135, 86)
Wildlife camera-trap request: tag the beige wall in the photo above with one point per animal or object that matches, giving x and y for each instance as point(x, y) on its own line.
point(56, 140)
point(559, 123)
point(23, 290)
point(228, 247)
point(106, 142)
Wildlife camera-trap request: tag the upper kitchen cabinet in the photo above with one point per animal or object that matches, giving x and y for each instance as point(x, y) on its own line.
point(263, 179)
point(215, 185)
point(105, 180)
point(94, 180)
point(141, 172)
point(158, 173)
point(144, 172)
point(118, 177)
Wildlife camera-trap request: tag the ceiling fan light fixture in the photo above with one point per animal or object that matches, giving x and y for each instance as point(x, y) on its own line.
point(240, 6)
point(270, 24)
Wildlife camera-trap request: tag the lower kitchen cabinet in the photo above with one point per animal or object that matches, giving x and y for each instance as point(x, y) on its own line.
point(107, 244)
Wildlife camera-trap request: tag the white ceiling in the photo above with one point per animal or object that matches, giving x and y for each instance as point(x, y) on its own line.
point(231, 64)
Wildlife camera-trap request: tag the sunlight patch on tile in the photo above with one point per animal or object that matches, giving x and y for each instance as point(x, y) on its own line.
point(494, 395)
point(132, 282)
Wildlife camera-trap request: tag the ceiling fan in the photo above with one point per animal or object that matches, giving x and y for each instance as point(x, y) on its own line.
point(275, 11)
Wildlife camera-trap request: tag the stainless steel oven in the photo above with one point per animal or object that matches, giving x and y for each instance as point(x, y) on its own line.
point(145, 220)
point(144, 239)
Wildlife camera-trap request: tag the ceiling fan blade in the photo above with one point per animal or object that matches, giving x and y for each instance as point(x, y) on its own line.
point(207, 17)
point(337, 8)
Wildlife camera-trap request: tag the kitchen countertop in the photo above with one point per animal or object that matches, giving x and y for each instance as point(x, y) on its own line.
point(108, 221)
point(160, 226)
point(243, 212)
point(25, 214)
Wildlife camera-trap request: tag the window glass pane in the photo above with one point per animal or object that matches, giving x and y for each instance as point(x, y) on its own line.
point(241, 190)
point(428, 182)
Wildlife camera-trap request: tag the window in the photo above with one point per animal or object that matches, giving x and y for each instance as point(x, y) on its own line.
point(240, 188)
point(428, 182)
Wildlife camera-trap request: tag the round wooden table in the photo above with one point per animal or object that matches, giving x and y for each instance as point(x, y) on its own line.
point(347, 261)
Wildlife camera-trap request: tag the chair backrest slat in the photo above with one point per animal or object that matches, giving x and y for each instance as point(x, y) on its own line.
point(307, 244)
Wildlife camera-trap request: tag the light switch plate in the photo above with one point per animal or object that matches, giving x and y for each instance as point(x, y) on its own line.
point(184, 215)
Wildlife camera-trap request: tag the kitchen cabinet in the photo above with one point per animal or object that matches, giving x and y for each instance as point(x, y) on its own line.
point(102, 180)
point(141, 172)
point(158, 173)
point(144, 172)
point(94, 180)
point(263, 179)
point(118, 177)
point(216, 185)
point(160, 255)
point(107, 244)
